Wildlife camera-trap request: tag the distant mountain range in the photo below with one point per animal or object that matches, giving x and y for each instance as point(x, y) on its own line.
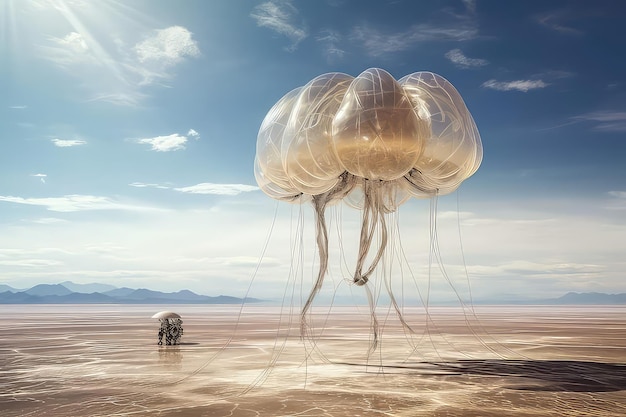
point(591, 298)
point(70, 293)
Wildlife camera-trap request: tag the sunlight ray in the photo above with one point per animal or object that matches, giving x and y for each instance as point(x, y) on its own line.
point(8, 33)
point(101, 55)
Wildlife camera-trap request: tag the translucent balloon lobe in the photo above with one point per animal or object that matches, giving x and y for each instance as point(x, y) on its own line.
point(453, 150)
point(307, 148)
point(376, 133)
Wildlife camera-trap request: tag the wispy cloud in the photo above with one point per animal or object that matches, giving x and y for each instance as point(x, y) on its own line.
point(378, 43)
point(18, 107)
point(518, 85)
point(49, 220)
point(30, 263)
point(173, 142)
point(72, 203)
point(130, 98)
point(330, 39)
point(618, 194)
point(555, 21)
point(217, 189)
point(72, 49)
point(42, 177)
point(202, 188)
point(457, 57)
point(554, 74)
point(66, 143)
point(605, 121)
point(540, 270)
point(279, 16)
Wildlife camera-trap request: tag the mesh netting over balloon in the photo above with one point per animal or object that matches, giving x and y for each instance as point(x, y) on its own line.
point(370, 141)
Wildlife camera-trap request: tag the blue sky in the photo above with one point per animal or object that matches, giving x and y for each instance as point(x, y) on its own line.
point(128, 134)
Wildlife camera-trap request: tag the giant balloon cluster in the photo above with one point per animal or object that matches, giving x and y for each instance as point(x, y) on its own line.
point(414, 135)
point(371, 141)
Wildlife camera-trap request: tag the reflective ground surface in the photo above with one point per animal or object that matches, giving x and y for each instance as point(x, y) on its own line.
point(103, 360)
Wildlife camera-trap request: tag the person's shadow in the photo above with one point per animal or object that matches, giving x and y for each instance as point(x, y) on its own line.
point(543, 375)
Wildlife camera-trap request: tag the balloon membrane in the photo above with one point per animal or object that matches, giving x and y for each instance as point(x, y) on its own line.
point(376, 132)
point(371, 141)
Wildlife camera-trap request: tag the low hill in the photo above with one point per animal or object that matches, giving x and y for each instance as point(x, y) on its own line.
point(87, 288)
point(48, 289)
point(4, 287)
point(591, 298)
point(60, 294)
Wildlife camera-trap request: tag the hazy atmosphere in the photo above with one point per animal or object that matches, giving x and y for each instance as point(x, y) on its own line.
point(128, 134)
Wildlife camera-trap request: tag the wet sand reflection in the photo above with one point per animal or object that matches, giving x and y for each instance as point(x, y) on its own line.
point(516, 361)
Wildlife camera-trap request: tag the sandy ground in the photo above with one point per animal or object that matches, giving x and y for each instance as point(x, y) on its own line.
point(103, 360)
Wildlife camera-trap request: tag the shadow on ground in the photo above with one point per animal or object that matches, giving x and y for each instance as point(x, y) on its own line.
point(545, 375)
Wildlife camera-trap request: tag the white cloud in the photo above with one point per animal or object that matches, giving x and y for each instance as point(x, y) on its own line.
point(278, 16)
point(66, 143)
point(217, 189)
point(155, 56)
point(148, 185)
point(606, 121)
point(72, 203)
point(618, 194)
point(519, 85)
point(18, 107)
point(203, 188)
point(169, 143)
point(457, 58)
point(168, 46)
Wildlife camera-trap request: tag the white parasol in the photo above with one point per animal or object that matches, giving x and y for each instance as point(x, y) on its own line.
point(166, 315)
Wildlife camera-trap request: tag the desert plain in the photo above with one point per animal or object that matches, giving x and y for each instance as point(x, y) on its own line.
point(103, 360)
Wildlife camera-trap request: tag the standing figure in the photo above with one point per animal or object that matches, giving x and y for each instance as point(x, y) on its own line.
point(175, 330)
point(164, 331)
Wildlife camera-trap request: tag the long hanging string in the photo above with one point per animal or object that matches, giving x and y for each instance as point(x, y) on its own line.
point(373, 216)
point(320, 201)
point(321, 237)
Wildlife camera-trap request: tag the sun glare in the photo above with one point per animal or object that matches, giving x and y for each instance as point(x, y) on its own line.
point(96, 42)
point(8, 33)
